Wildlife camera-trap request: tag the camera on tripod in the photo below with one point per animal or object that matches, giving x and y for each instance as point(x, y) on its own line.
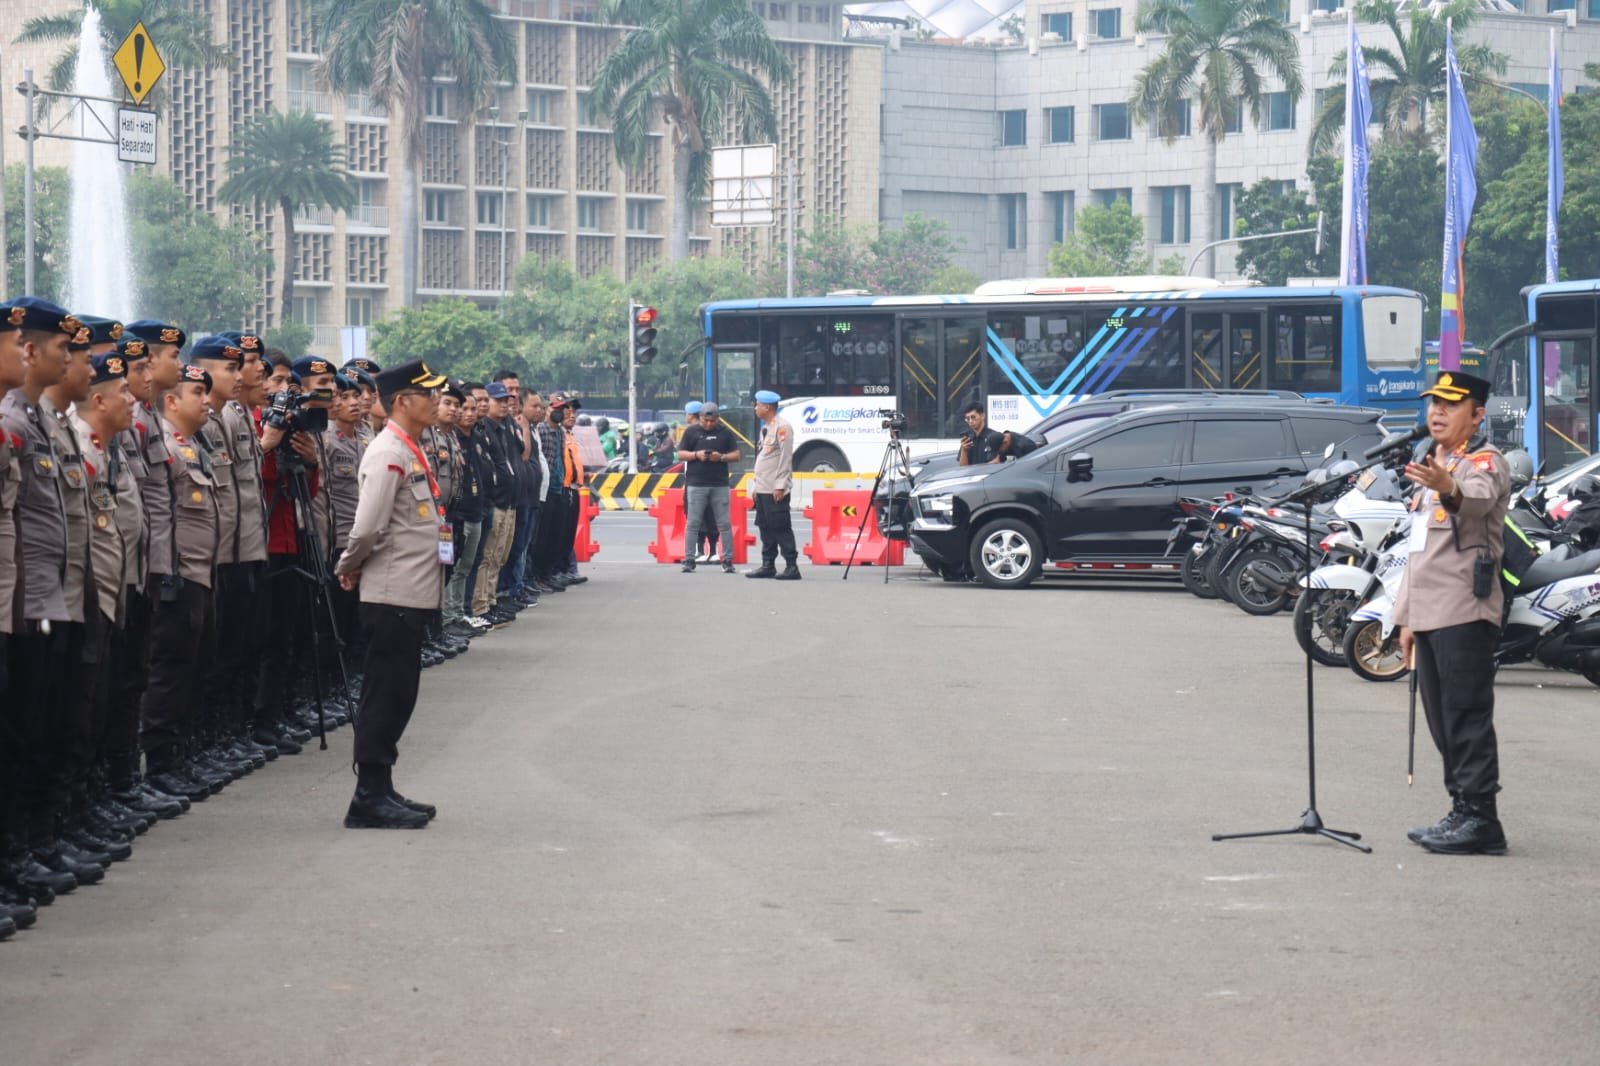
point(893, 421)
point(292, 411)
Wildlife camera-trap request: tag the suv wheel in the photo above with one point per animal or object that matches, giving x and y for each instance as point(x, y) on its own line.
point(1007, 554)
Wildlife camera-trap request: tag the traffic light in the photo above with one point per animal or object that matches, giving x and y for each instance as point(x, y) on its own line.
point(644, 335)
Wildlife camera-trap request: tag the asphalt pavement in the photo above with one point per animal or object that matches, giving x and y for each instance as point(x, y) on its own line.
point(695, 819)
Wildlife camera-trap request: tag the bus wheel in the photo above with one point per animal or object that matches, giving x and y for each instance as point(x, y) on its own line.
point(821, 459)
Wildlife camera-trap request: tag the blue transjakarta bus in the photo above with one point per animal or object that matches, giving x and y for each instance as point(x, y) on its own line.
point(1555, 420)
point(1026, 348)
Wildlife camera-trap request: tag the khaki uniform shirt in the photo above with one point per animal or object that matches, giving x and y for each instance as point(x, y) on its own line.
point(76, 584)
point(194, 506)
point(245, 447)
point(395, 539)
point(132, 458)
point(10, 481)
point(774, 467)
point(117, 522)
point(156, 488)
point(41, 511)
point(439, 443)
point(1436, 589)
point(340, 482)
point(214, 436)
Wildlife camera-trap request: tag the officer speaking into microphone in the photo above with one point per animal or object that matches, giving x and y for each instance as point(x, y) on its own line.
point(1449, 606)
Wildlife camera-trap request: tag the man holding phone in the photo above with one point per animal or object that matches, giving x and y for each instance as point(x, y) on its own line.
point(708, 448)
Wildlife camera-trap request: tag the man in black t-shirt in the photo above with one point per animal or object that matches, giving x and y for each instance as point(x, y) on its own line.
point(707, 448)
point(979, 444)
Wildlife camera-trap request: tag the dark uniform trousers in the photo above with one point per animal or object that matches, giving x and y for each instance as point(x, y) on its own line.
point(172, 699)
point(549, 552)
point(776, 526)
point(32, 715)
point(393, 674)
point(288, 614)
point(572, 506)
point(131, 673)
point(86, 741)
point(232, 651)
point(1455, 673)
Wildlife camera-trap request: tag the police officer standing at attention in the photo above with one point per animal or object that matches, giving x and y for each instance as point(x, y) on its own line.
point(772, 481)
point(1450, 605)
point(396, 555)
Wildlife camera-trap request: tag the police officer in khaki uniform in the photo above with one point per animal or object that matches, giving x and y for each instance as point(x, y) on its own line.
point(343, 446)
point(771, 483)
point(239, 650)
point(1450, 606)
point(396, 556)
point(439, 442)
point(184, 607)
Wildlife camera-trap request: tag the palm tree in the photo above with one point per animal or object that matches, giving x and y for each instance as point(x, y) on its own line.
point(392, 50)
point(698, 64)
point(182, 34)
point(1404, 79)
point(1223, 52)
point(289, 159)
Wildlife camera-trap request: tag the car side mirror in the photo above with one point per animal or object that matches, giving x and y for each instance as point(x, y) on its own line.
point(1080, 466)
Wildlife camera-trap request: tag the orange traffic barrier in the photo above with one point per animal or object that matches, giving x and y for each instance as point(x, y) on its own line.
point(672, 523)
point(836, 520)
point(584, 546)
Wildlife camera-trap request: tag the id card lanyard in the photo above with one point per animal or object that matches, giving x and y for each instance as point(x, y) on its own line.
point(447, 543)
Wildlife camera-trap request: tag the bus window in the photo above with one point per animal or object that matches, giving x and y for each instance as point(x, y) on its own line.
point(1565, 434)
point(1391, 328)
point(1132, 348)
point(833, 355)
point(732, 328)
point(1306, 355)
point(1042, 346)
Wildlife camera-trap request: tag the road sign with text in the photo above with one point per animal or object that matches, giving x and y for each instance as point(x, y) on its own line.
point(139, 64)
point(136, 135)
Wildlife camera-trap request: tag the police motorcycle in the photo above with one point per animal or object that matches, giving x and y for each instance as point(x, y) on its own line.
point(1208, 532)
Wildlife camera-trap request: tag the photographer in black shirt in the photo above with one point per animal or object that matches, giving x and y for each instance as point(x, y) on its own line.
point(979, 444)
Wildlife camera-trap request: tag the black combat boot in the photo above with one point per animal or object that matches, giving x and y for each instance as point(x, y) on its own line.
point(374, 805)
point(1443, 825)
point(1476, 832)
point(791, 572)
point(766, 569)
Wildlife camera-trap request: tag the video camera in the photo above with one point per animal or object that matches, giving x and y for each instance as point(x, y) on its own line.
point(292, 411)
point(893, 421)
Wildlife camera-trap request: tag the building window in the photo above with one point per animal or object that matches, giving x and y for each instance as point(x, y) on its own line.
point(436, 101)
point(435, 206)
point(1227, 199)
point(1233, 121)
point(1174, 121)
point(1108, 23)
point(589, 213)
point(639, 216)
point(1280, 111)
point(489, 208)
point(778, 12)
point(1107, 197)
point(358, 310)
point(803, 13)
point(1062, 124)
point(1059, 23)
point(1557, 6)
point(368, 209)
point(541, 105)
point(304, 310)
point(1061, 204)
point(1013, 128)
point(1174, 214)
point(1111, 122)
point(539, 212)
point(1014, 207)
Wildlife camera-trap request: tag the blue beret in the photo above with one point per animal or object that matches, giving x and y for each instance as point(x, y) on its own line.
point(497, 391)
point(31, 312)
point(360, 377)
point(194, 373)
point(767, 396)
point(92, 329)
point(132, 348)
point(216, 346)
point(307, 365)
point(363, 363)
point(692, 407)
point(153, 332)
point(109, 367)
point(344, 382)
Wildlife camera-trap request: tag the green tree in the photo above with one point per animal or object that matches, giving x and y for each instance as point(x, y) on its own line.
point(907, 260)
point(1404, 79)
point(699, 65)
point(191, 269)
point(288, 159)
point(1267, 207)
point(575, 328)
point(392, 50)
point(452, 335)
point(1222, 52)
point(52, 190)
point(183, 34)
point(1107, 241)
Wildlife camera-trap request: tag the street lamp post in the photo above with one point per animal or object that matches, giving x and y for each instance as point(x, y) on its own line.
point(505, 147)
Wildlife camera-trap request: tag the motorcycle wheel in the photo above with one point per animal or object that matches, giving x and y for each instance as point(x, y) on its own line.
point(1370, 656)
point(1217, 561)
point(1193, 573)
point(1320, 618)
point(1247, 576)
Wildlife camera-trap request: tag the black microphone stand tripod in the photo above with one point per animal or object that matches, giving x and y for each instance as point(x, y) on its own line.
point(894, 459)
point(1310, 820)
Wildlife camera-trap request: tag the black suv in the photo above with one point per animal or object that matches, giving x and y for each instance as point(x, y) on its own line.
point(1105, 498)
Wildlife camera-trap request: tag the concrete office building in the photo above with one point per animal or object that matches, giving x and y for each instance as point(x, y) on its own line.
point(1006, 142)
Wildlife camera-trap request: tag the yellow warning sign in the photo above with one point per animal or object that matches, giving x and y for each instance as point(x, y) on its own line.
point(849, 510)
point(140, 65)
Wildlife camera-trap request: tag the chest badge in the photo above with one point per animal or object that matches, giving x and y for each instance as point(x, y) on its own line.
point(197, 496)
point(423, 510)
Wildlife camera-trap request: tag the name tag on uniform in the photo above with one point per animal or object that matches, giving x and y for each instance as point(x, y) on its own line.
point(1419, 532)
point(447, 545)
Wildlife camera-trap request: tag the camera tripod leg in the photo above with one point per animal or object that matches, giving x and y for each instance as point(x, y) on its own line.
point(894, 455)
point(316, 674)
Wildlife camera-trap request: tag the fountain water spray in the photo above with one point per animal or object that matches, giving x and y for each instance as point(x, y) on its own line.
point(99, 269)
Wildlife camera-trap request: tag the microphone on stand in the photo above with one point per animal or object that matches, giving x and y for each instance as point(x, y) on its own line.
point(1399, 440)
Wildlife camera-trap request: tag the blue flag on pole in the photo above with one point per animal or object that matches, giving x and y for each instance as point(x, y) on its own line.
point(1357, 118)
point(1552, 210)
point(1460, 195)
